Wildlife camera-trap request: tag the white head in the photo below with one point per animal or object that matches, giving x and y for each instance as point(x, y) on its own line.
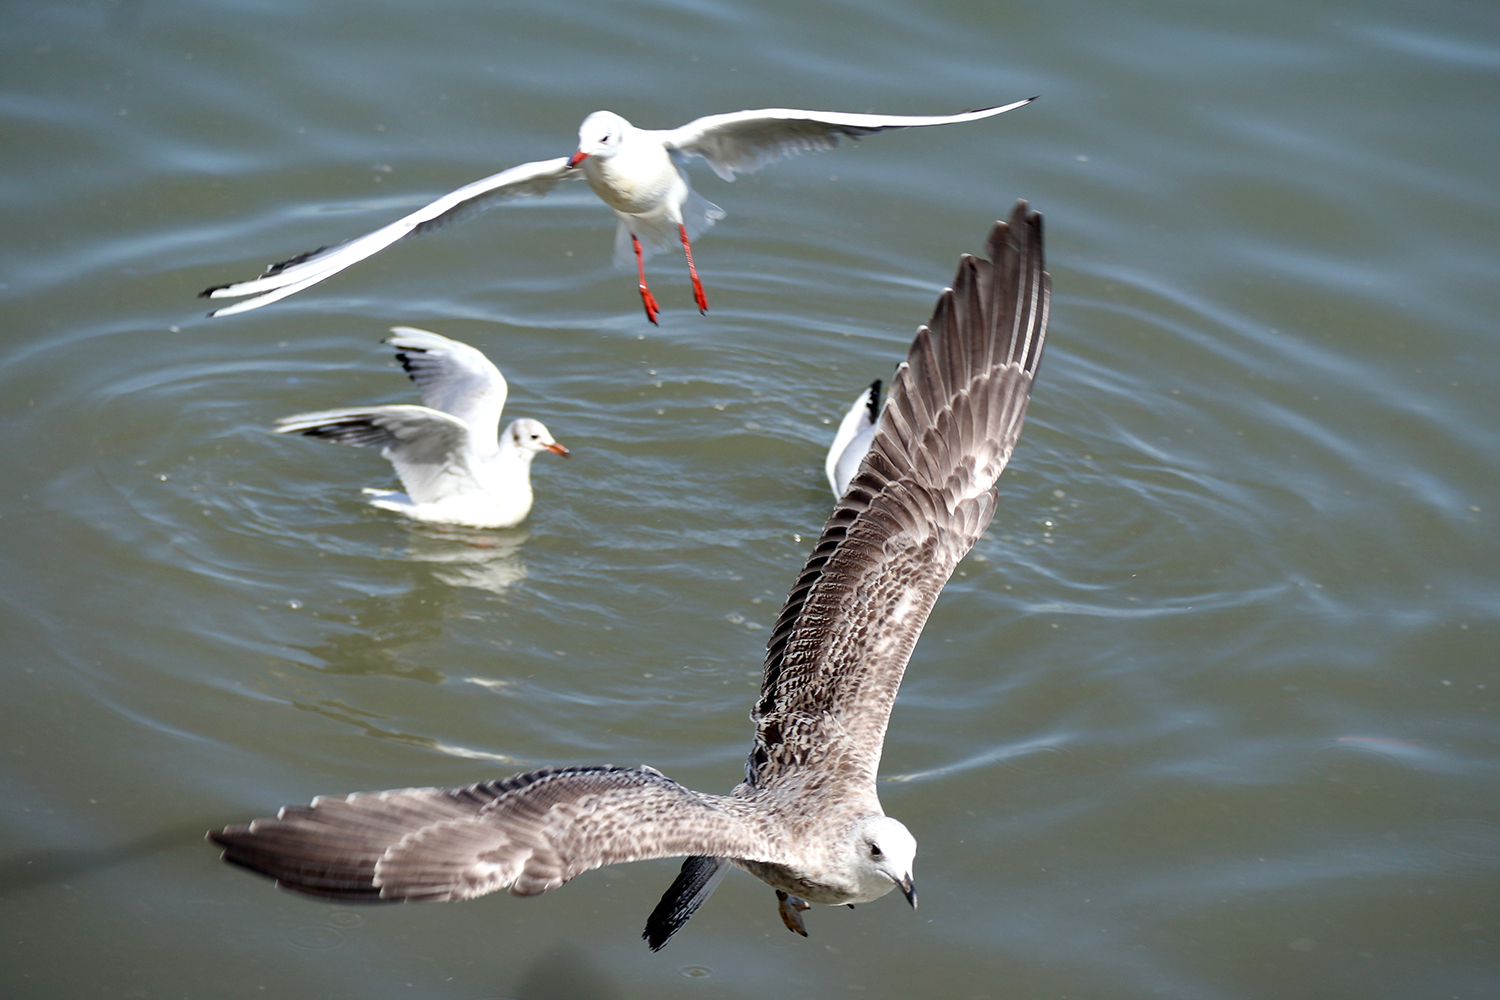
point(600, 135)
point(886, 850)
point(531, 436)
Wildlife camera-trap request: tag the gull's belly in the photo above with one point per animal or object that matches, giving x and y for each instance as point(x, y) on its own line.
point(638, 184)
point(810, 886)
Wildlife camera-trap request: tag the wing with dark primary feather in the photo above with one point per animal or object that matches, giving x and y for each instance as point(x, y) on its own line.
point(429, 449)
point(743, 141)
point(696, 881)
point(917, 504)
point(291, 276)
point(529, 833)
point(920, 500)
point(454, 378)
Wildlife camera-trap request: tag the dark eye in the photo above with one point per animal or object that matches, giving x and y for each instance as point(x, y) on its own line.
point(875, 851)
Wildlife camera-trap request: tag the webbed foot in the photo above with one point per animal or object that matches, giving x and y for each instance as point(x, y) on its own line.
point(790, 907)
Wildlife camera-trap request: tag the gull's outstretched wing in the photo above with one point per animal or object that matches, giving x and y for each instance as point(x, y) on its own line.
point(697, 880)
point(919, 501)
point(528, 833)
point(917, 504)
point(429, 449)
point(455, 378)
point(289, 276)
point(852, 441)
point(743, 141)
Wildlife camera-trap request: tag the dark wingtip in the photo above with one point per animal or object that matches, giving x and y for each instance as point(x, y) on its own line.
point(401, 356)
point(992, 107)
point(659, 930)
point(692, 887)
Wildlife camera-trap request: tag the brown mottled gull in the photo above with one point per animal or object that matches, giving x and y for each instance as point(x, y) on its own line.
point(807, 819)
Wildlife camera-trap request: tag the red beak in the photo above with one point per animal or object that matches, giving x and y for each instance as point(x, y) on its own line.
point(576, 159)
point(558, 449)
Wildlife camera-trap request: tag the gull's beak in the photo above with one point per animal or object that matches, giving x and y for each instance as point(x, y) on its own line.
point(558, 449)
point(909, 890)
point(576, 159)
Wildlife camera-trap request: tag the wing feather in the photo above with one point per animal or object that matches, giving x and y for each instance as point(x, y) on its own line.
point(697, 880)
point(456, 379)
point(430, 449)
point(528, 833)
point(297, 273)
point(745, 141)
point(852, 440)
point(919, 501)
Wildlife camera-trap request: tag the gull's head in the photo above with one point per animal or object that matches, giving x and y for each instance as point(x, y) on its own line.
point(531, 436)
point(886, 851)
point(600, 135)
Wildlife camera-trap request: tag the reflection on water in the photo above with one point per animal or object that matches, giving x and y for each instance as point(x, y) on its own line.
point(484, 560)
point(371, 634)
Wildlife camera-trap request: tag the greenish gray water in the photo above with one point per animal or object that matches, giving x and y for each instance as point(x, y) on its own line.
point(1209, 713)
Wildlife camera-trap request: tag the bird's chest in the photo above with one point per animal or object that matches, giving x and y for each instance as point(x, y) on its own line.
point(637, 181)
point(813, 886)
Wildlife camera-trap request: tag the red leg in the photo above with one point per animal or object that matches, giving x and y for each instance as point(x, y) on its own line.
point(698, 295)
point(647, 299)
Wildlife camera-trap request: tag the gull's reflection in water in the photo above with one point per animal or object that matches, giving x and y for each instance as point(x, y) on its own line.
point(390, 633)
point(385, 632)
point(470, 557)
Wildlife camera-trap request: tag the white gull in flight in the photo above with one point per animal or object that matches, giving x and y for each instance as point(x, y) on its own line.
point(807, 819)
point(455, 468)
point(635, 171)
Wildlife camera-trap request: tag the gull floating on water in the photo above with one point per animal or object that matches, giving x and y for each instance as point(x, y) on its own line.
point(635, 171)
point(807, 819)
point(454, 467)
point(851, 443)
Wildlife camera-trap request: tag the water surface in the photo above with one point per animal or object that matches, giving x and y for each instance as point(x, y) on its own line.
point(1209, 712)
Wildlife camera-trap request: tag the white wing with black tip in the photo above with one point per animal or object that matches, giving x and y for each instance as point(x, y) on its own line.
point(297, 273)
point(456, 379)
point(744, 141)
point(430, 449)
point(852, 441)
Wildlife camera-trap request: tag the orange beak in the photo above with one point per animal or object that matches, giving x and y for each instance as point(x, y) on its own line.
point(558, 449)
point(576, 159)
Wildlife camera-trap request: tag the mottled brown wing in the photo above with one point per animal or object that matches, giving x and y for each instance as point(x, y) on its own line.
point(921, 498)
point(529, 833)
